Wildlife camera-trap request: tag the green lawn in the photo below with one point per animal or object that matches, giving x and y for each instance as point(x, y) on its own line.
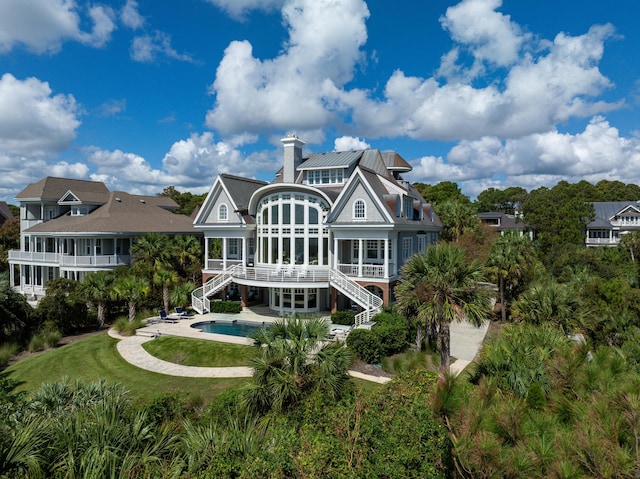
point(200, 352)
point(96, 358)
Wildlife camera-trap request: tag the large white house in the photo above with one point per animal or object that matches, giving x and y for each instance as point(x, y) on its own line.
point(69, 228)
point(331, 232)
point(613, 219)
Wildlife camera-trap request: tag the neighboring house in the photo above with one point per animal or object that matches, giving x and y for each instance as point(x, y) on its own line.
point(331, 232)
point(69, 228)
point(5, 212)
point(503, 222)
point(612, 220)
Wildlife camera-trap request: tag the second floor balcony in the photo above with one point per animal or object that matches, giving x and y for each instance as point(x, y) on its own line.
point(57, 259)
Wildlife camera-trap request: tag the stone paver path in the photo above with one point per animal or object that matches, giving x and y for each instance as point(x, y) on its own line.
point(465, 343)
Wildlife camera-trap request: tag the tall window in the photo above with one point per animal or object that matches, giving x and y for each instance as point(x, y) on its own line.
point(289, 232)
point(407, 248)
point(359, 210)
point(223, 213)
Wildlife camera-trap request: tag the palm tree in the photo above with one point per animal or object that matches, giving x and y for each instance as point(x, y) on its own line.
point(295, 360)
point(131, 289)
point(97, 287)
point(440, 286)
point(180, 295)
point(152, 249)
point(165, 278)
point(457, 216)
point(508, 262)
point(187, 251)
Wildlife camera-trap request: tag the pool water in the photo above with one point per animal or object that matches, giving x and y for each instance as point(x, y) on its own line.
point(230, 328)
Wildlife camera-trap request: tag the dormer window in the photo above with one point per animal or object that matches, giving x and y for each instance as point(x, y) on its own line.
point(223, 213)
point(359, 210)
point(79, 210)
point(325, 177)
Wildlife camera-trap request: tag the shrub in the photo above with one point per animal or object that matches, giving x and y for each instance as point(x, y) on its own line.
point(346, 318)
point(126, 328)
point(226, 307)
point(7, 351)
point(36, 343)
point(392, 338)
point(364, 344)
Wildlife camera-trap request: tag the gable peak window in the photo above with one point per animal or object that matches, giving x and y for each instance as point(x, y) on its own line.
point(223, 212)
point(359, 210)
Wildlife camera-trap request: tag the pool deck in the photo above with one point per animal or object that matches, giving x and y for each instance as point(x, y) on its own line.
point(465, 343)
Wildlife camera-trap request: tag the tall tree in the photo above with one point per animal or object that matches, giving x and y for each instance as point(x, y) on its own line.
point(131, 289)
point(441, 192)
point(97, 288)
point(457, 217)
point(508, 262)
point(165, 278)
point(152, 250)
point(558, 215)
point(187, 251)
point(440, 286)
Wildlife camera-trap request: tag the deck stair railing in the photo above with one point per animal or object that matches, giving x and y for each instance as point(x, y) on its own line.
point(200, 296)
point(370, 303)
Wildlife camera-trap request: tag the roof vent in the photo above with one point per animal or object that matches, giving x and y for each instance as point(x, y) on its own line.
point(142, 201)
point(118, 199)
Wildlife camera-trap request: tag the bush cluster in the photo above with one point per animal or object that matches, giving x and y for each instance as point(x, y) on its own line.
point(346, 318)
point(389, 336)
point(226, 307)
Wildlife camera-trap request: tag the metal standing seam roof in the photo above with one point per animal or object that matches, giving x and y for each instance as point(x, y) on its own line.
point(333, 159)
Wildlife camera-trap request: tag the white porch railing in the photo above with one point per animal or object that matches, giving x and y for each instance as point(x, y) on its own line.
point(284, 274)
point(216, 264)
point(368, 270)
point(200, 296)
point(370, 303)
point(69, 260)
point(34, 256)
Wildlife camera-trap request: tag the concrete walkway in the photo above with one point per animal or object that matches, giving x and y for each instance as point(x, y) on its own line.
point(465, 343)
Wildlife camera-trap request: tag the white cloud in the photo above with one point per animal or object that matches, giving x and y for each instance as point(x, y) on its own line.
point(490, 35)
point(112, 107)
point(348, 143)
point(286, 92)
point(189, 165)
point(239, 8)
point(43, 25)
point(147, 48)
point(598, 152)
point(33, 121)
point(530, 85)
point(130, 17)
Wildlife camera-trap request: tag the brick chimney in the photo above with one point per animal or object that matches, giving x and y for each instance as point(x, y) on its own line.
point(292, 157)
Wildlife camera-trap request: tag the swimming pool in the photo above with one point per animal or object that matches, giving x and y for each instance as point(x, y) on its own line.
point(230, 328)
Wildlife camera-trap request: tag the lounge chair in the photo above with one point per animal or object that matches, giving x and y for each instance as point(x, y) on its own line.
point(182, 313)
point(164, 318)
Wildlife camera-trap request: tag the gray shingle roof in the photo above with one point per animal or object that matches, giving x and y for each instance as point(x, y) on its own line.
point(241, 189)
point(122, 213)
point(52, 189)
point(606, 210)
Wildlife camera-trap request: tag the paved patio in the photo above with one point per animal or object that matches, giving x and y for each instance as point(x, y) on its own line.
point(466, 341)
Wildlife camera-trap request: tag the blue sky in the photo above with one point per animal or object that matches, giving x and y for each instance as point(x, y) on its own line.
point(150, 93)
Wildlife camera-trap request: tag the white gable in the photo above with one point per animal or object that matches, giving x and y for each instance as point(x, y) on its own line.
point(358, 189)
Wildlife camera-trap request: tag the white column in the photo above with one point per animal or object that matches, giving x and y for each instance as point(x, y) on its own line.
point(206, 253)
point(360, 256)
point(386, 257)
point(244, 251)
point(335, 255)
point(224, 253)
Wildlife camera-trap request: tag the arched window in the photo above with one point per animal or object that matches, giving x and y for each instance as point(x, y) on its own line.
point(359, 210)
point(223, 213)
